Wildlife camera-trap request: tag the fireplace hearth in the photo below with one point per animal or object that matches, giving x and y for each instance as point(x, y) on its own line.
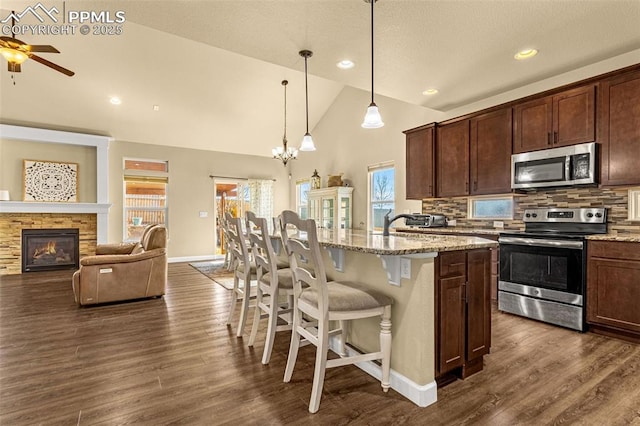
point(50, 249)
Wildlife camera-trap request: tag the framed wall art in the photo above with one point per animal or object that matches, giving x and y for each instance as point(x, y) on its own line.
point(50, 181)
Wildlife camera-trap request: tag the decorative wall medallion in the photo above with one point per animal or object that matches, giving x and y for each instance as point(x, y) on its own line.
point(50, 181)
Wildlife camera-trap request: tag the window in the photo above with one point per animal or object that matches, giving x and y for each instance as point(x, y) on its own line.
point(302, 198)
point(382, 194)
point(491, 208)
point(145, 196)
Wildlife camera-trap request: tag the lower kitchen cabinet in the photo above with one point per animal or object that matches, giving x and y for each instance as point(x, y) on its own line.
point(463, 312)
point(613, 289)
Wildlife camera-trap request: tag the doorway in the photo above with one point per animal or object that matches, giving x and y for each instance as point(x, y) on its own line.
point(231, 196)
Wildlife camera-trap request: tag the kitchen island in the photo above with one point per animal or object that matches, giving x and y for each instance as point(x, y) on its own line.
point(404, 267)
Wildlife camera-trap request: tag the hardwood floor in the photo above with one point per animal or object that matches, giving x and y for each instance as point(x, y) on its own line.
point(173, 361)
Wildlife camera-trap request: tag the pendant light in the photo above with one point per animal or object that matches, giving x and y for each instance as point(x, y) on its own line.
point(307, 140)
point(284, 153)
point(372, 119)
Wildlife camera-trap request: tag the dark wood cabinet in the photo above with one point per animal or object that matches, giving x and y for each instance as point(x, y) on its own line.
point(613, 288)
point(619, 118)
point(463, 311)
point(420, 166)
point(452, 159)
point(490, 155)
point(567, 118)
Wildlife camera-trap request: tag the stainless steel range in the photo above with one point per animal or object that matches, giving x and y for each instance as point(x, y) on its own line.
point(542, 269)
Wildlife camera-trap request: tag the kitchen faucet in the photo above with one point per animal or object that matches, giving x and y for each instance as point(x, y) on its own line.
point(387, 222)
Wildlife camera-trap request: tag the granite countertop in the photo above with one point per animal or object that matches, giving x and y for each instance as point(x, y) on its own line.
point(397, 243)
point(449, 230)
point(631, 238)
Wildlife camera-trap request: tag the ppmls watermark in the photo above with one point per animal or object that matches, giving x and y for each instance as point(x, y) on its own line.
point(53, 21)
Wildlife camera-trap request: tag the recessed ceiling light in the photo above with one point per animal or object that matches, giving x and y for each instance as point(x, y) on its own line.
point(345, 64)
point(156, 107)
point(115, 100)
point(430, 92)
point(525, 54)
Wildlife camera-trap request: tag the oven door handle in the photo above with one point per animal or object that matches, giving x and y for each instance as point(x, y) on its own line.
point(541, 242)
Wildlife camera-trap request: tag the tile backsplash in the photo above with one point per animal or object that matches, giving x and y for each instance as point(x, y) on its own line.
point(614, 199)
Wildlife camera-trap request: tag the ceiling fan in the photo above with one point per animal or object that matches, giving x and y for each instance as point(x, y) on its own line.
point(16, 52)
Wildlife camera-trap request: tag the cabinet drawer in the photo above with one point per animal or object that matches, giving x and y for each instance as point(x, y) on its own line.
point(614, 250)
point(453, 264)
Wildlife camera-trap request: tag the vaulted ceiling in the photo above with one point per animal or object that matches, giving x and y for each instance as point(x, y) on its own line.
point(214, 67)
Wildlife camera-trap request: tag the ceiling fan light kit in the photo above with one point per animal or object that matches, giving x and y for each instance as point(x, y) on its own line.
point(17, 51)
point(372, 119)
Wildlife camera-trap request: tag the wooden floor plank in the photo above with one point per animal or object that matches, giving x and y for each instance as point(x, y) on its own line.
point(174, 361)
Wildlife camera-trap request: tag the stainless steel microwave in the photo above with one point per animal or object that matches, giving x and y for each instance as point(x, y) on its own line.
point(570, 165)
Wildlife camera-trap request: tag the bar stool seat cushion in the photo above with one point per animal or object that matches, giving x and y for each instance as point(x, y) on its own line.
point(285, 278)
point(252, 266)
point(347, 296)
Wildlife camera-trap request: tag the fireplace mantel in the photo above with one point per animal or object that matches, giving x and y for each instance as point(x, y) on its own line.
point(100, 209)
point(39, 207)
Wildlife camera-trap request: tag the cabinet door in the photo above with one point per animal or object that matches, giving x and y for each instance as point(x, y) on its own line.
point(491, 145)
point(420, 164)
point(619, 112)
point(574, 116)
point(453, 159)
point(532, 125)
point(451, 323)
point(478, 321)
point(613, 292)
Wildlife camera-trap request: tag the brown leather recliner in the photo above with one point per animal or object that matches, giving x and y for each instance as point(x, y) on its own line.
point(114, 277)
point(125, 247)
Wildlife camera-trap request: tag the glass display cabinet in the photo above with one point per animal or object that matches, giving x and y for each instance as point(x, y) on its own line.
point(332, 208)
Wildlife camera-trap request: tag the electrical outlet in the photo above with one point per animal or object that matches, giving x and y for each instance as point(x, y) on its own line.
point(498, 224)
point(204, 214)
point(405, 268)
point(451, 222)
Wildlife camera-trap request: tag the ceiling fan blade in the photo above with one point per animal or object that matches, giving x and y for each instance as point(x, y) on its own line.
point(51, 65)
point(44, 48)
point(13, 67)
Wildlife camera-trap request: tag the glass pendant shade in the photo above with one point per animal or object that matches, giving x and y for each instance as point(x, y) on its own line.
point(372, 119)
point(13, 55)
point(307, 143)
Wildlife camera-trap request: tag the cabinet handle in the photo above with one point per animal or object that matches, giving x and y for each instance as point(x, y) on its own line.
point(555, 137)
point(475, 185)
point(548, 138)
point(430, 189)
point(466, 186)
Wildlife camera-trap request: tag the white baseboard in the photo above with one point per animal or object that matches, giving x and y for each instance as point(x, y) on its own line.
point(421, 395)
point(194, 258)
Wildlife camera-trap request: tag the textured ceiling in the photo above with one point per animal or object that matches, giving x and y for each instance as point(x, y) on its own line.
point(215, 67)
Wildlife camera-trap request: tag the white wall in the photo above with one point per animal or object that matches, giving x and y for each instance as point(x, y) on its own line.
point(190, 190)
point(344, 146)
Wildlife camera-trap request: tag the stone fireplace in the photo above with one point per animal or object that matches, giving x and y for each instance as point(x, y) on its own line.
point(50, 249)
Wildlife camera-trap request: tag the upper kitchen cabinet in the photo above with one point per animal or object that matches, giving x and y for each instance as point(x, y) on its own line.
point(452, 144)
point(491, 142)
point(420, 179)
point(566, 118)
point(619, 118)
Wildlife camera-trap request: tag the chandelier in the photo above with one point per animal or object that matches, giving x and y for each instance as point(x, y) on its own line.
point(284, 153)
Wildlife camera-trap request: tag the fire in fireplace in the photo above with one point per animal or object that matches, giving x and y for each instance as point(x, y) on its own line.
point(49, 249)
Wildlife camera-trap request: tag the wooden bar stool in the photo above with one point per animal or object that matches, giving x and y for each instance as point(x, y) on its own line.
point(273, 282)
point(327, 301)
point(244, 270)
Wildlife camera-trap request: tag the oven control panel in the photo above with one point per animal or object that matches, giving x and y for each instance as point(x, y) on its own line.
point(582, 215)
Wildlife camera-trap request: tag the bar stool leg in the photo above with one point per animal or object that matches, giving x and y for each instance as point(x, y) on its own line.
point(385, 347)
